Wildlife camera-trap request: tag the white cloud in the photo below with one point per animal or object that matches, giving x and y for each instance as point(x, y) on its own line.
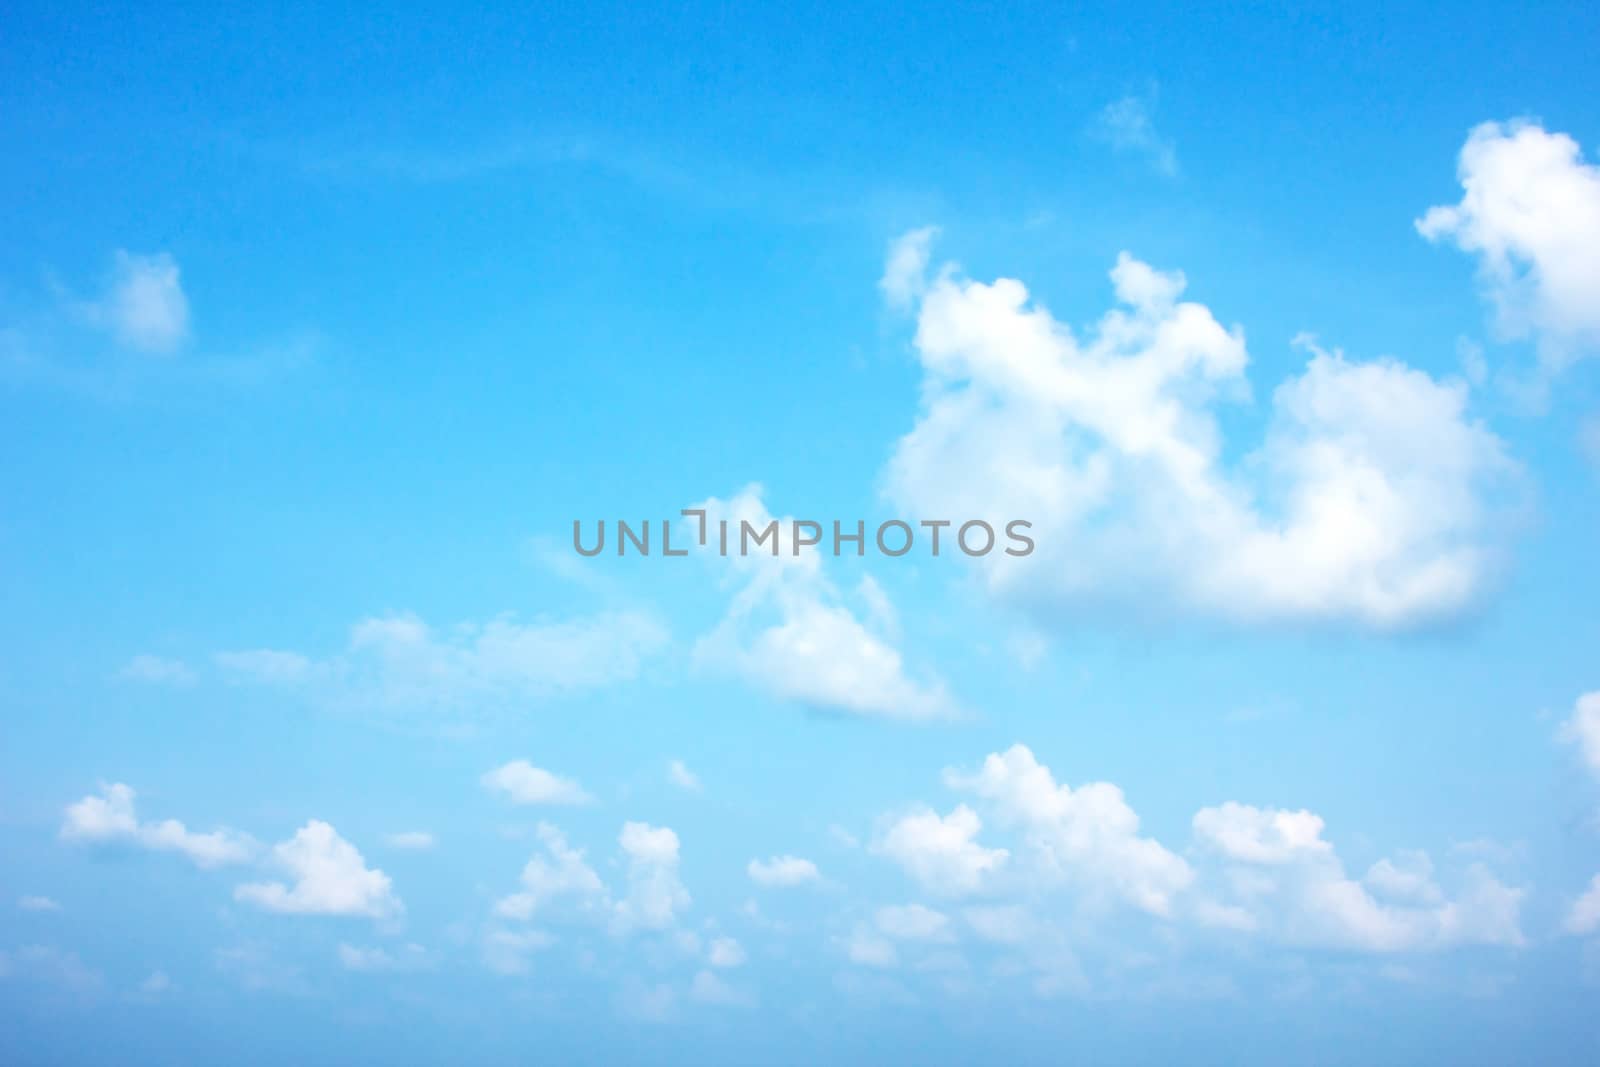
point(1088, 836)
point(1583, 917)
point(110, 817)
point(330, 878)
point(559, 873)
point(941, 852)
point(1253, 872)
point(1407, 878)
point(33, 903)
point(655, 894)
point(791, 632)
point(523, 783)
point(725, 952)
point(1257, 835)
point(1530, 212)
point(868, 948)
point(558, 880)
point(1583, 729)
point(913, 922)
point(372, 960)
point(682, 777)
point(144, 306)
point(905, 268)
point(1374, 498)
point(153, 670)
point(410, 840)
point(1128, 125)
point(1284, 880)
point(399, 662)
point(782, 871)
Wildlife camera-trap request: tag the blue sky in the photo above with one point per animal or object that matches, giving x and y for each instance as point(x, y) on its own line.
point(319, 329)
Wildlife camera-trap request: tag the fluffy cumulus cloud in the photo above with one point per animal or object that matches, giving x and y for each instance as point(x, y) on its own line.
point(144, 307)
point(400, 662)
point(782, 871)
point(559, 883)
point(329, 878)
point(1530, 213)
point(1087, 836)
point(941, 851)
point(1072, 853)
point(522, 783)
point(1277, 875)
point(655, 894)
point(1372, 498)
point(557, 874)
point(111, 816)
point(791, 631)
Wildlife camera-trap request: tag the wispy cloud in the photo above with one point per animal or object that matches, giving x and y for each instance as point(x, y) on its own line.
point(1128, 125)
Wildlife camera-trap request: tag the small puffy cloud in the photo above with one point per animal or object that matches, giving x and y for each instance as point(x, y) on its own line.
point(558, 872)
point(781, 872)
point(1583, 730)
point(111, 817)
point(330, 878)
point(35, 903)
point(905, 268)
point(790, 631)
point(941, 852)
point(1128, 125)
point(655, 895)
point(410, 840)
point(154, 670)
point(1530, 213)
point(725, 952)
point(1088, 836)
point(143, 307)
point(682, 777)
point(558, 881)
point(868, 948)
point(523, 783)
point(1373, 496)
point(913, 922)
point(1583, 917)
